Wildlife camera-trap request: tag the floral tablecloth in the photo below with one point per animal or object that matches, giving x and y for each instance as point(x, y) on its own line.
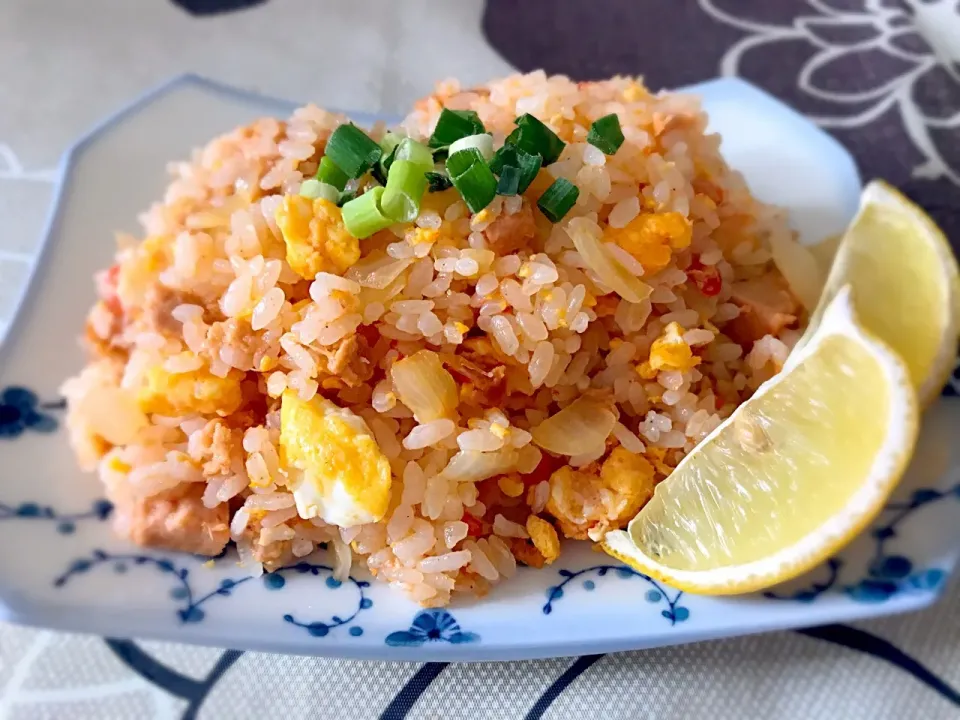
point(882, 75)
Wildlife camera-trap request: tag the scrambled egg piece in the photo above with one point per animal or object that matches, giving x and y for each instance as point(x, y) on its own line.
point(544, 538)
point(670, 352)
point(587, 505)
point(315, 236)
point(197, 391)
point(653, 237)
point(138, 271)
point(337, 470)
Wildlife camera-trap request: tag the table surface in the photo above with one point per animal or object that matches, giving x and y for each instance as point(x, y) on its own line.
point(883, 76)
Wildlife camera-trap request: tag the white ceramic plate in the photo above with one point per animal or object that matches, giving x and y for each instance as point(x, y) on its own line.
point(60, 567)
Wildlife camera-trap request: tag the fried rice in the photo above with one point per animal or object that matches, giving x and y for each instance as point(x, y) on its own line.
point(570, 403)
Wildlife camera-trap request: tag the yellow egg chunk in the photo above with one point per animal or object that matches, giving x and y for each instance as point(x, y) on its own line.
point(653, 237)
point(197, 391)
point(337, 470)
point(315, 236)
point(670, 352)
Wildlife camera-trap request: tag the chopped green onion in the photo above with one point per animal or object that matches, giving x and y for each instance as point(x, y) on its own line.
point(605, 134)
point(346, 196)
point(381, 169)
point(472, 178)
point(314, 189)
point(511, 155)
point(405, 187)
point(533, 137)
point(389, 141)
point(352, 150)
point(415, 152)
point(557, 199)
point(362, 216)
point(438, 181)
point(329, 173)
point(509, 180)
point(453, 125)
point(482, 142)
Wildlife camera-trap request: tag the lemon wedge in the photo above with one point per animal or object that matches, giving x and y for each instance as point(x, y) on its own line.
point(790, 477)
point(905, 284)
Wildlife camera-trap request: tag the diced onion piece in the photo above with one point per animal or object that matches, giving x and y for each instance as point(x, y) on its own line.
point(314, 189)
point(581, 427)
point(424, 385)
point(482, 142)
point(362, 216)
point(585, 236)
point(474, 466)
point(799, 268)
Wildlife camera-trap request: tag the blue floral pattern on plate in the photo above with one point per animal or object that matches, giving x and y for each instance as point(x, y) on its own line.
point(674, 612)
point(191, 610)
point(431, 626)
point(888, 574)
point(21, 410)
point(66, 522)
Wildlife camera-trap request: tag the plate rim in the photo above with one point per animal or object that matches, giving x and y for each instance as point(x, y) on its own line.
point(53, 615)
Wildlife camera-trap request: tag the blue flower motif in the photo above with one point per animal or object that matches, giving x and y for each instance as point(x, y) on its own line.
point(20, 411)
point(431, 625)
point(657, 593)
point(191, 604)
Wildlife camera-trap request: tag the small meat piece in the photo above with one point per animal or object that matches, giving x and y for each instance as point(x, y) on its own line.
point(346, 361)
point(216, 447)
point(487, 381)
point(766, 308)
point(175, 520)
point(158, 310)
point(509, 233)
point(588, 504)
point(525, 552)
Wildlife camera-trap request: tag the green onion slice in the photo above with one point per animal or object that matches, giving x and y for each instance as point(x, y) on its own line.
point(314, 189)
point(472, 178)
point(406, 185)
point(363, 217)
point(381, 169)
point(438, 181)
point(389, 141)
point(509, 181)
point(533, 137)
point(415, 152)
point(605, 134)
point(483, 142)
point(527, 164)
point(352, 150)
point(453, 125)
point(557, 199)
point(329, 173)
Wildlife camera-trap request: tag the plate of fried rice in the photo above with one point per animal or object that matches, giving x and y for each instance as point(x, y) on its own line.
point(377, 387)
